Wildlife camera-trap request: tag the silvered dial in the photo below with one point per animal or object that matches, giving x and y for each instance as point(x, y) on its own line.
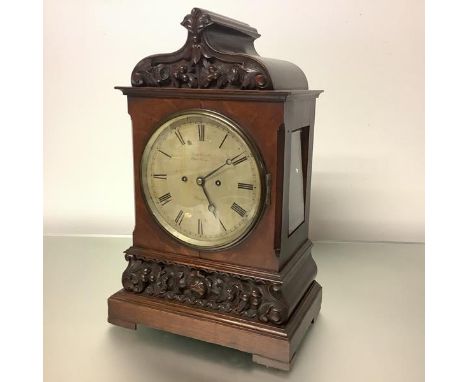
point(203, 179)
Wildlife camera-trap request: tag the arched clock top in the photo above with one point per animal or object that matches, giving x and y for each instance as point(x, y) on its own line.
point(219, 54)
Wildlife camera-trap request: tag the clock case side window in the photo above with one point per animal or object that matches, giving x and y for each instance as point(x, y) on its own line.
point(298, 128)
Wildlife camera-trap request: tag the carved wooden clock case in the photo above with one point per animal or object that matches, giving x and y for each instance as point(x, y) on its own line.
point(232, 268)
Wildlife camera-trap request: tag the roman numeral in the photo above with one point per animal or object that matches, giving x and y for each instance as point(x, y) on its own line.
point(240, 160)
point(200, 227)
point(179, 137)
point(160, 176)
point(179, 217)
point(238, 209)
point(201, 132)
point(222, 142)
point(166, 154)
point(166, 198)
point(245, 186)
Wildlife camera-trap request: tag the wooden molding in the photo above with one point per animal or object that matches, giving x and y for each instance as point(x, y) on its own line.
point(272, 344)
point(217, 94)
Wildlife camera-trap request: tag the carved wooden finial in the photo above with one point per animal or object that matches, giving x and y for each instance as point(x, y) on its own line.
point(219, 53)
point(195, 22)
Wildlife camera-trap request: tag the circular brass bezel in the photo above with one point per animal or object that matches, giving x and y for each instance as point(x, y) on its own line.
point(188, 241)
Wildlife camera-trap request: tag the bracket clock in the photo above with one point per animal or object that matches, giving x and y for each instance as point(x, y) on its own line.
point(222, 149)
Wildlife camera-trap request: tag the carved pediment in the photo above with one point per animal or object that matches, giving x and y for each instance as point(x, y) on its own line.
point(219, 53)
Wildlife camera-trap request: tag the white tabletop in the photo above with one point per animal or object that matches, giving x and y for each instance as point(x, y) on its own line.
point(371, 326)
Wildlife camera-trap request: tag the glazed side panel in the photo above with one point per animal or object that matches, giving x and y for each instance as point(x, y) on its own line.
point(299, 115)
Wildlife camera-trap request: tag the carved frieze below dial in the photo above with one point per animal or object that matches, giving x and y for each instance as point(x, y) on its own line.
point(247, 297)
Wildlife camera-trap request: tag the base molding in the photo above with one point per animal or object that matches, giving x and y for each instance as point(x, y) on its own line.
point(271, 345)
point(273, 363)
point(122, 323)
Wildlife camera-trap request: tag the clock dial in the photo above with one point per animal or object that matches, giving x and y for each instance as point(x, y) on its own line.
point(203, 179)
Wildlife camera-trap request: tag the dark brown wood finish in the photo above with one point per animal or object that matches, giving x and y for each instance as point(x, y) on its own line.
point(260, 295)
point(219, 53)
point(272, 346)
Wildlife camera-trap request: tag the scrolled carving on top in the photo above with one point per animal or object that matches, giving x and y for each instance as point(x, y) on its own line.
point(219, 53)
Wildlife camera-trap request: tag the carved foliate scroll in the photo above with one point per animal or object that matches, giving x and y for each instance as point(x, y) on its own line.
point(242, 296)
point(204, 61)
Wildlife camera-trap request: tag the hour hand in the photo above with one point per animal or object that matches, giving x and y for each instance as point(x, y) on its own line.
point(211, 206)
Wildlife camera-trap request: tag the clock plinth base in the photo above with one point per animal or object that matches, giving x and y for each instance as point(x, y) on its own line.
point(123, 323)
point(271, 345)
point(273, 363)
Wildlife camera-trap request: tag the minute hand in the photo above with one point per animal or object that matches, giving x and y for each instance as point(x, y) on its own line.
point(228, 161)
